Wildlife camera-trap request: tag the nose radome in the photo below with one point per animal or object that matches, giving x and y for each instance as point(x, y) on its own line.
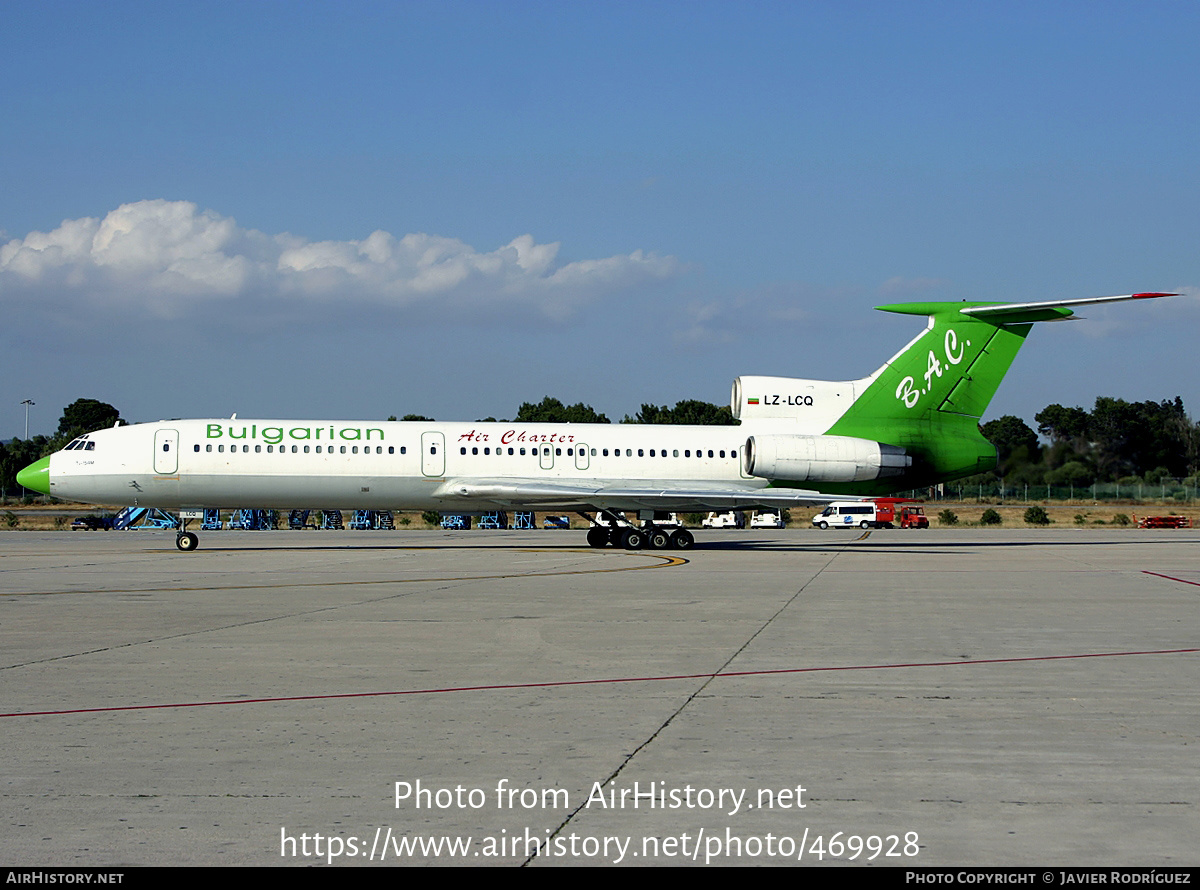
point(36, 476)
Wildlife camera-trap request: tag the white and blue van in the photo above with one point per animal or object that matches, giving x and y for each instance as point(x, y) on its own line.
point(847, 514)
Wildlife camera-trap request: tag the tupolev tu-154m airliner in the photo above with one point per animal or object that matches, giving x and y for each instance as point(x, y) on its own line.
point(912, 423)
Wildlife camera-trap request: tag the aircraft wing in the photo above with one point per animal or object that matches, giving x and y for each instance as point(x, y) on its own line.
point(584, 494)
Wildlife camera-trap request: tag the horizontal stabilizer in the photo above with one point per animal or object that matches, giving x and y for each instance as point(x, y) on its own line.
point(1046, 310)
point(1014, 313)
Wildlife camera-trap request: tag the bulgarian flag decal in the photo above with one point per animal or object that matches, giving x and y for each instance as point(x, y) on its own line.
point(751, 401)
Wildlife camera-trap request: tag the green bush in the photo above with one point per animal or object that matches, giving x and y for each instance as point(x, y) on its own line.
point(10, 519)
point(1080, 519)
point(1037, 516)
point(990, 517)
point(948, 517)
point(432, 517)
point(1120, 519)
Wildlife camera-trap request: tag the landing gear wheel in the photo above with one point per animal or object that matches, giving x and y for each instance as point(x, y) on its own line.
point(597, 536)
point(682, 539)
point(187, 542)
point(633, 539)
point(656, 538)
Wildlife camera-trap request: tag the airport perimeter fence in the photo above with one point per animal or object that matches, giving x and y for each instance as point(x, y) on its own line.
point(1165, 491)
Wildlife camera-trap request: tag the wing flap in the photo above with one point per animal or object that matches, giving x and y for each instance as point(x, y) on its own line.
point(512, 494)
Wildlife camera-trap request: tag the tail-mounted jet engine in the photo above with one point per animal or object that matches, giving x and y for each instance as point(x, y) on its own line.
point(823, 458)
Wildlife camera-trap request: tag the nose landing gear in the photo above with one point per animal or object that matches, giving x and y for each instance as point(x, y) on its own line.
point(186, 541)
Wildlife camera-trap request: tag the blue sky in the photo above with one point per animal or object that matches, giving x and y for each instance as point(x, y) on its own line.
point(364, 209)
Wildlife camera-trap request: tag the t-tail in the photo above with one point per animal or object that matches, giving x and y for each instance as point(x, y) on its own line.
point(915, 421)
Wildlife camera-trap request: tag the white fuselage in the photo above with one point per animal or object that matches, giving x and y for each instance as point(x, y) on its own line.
point(383, 465)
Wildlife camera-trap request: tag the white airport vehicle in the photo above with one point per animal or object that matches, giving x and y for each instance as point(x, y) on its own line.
point(912, 423)
point(847, 514)
point(767, 519)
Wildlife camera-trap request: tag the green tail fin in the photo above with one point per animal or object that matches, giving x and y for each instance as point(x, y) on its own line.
point(930, 396)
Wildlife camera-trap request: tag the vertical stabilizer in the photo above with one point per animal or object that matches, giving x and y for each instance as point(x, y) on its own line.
point(930, 396)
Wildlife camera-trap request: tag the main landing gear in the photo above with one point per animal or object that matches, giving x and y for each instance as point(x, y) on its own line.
point(650, 536)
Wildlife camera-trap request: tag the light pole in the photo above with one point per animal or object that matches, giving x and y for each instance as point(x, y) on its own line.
point(28, 403)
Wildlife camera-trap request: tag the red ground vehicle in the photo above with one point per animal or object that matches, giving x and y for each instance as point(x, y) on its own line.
point(890, 512)
point(1164, 522)
point(913, 517)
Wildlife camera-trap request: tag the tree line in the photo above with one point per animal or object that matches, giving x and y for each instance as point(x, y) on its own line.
point(81, 416)
point(1117, 441)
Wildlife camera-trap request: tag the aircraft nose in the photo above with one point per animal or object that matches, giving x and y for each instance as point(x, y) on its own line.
point(36, 476)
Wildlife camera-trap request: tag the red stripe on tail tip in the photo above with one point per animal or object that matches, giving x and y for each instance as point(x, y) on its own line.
point(1147, 296)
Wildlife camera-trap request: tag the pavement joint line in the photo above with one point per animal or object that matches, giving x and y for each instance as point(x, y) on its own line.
point(668, 562)
point(720, 672)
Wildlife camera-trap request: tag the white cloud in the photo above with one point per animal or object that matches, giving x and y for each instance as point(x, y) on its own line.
point(161, 256)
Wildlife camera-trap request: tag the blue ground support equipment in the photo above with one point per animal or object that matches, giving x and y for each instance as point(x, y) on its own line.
point(254, 520)
point(144, 517)
point(298, 519)
point(523, 520)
